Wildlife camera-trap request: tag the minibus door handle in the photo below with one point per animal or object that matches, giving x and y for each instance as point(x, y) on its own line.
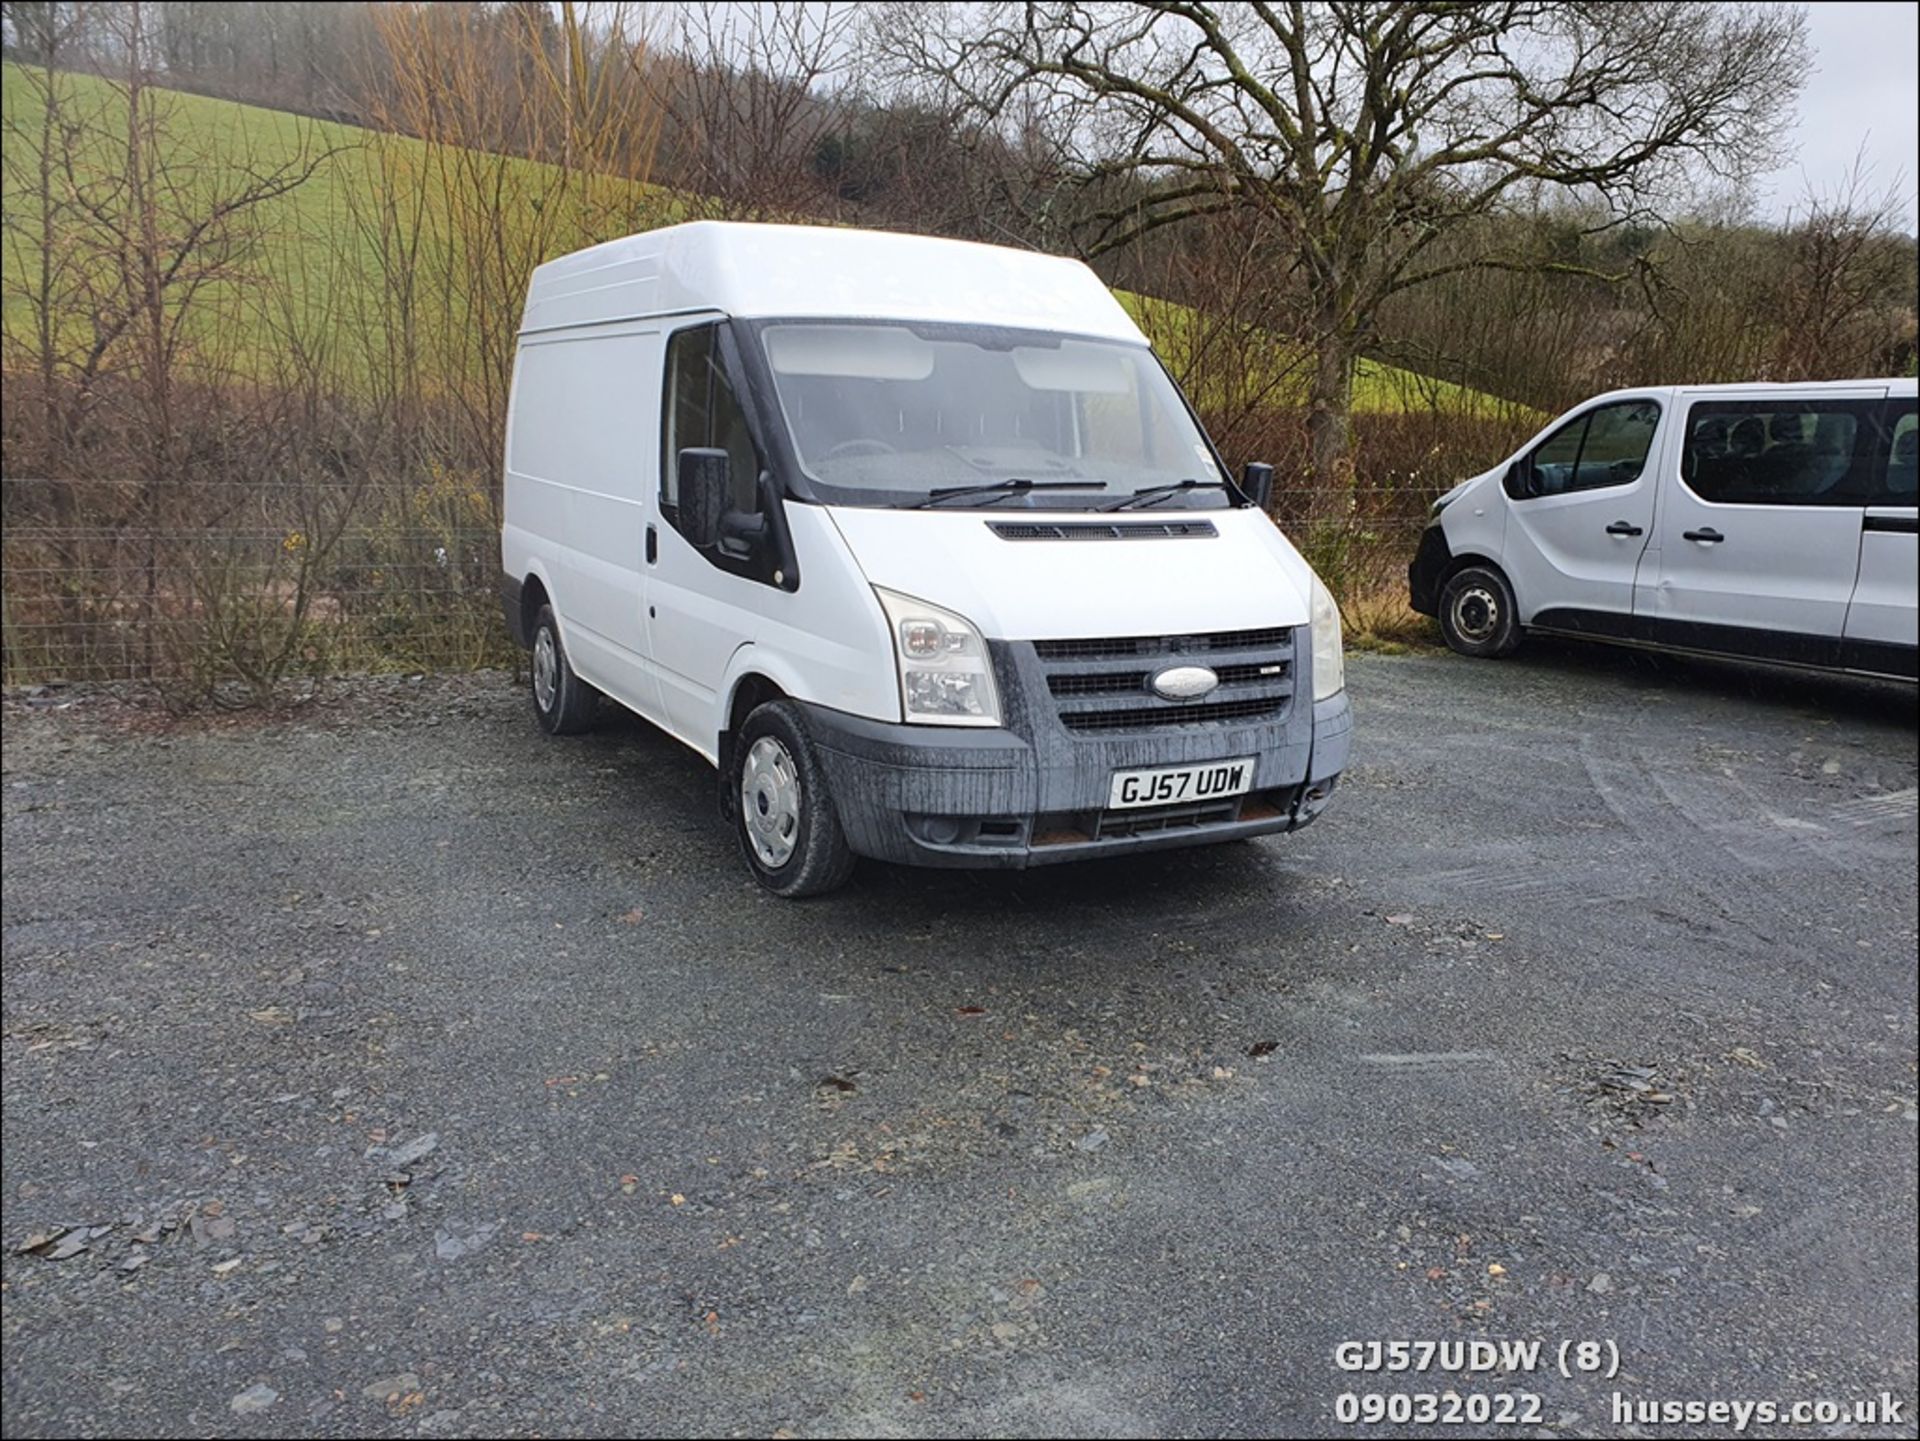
point(653, 545)
point(1709, 536)
point(1620, 527)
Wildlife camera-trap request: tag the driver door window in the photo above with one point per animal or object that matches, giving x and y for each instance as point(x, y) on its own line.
point(1605, 447)
point(703, 411)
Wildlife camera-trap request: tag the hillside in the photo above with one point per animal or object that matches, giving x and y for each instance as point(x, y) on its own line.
point(321, 242)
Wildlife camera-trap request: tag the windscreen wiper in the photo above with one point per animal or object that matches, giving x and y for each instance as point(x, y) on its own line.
point(1152, 494)
point(1019, 485)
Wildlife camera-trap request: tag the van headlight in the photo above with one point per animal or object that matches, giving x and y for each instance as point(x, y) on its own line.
point(946, 676)
point(1329, 653)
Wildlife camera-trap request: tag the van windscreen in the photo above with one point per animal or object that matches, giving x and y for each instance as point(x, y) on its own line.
point(886, 414)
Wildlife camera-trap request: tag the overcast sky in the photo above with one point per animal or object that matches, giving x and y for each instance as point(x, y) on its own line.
point(1863, 93)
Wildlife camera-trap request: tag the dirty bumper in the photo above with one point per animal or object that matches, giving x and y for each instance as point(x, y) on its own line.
point(948, 796)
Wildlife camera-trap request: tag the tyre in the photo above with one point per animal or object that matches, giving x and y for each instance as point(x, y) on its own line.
point(562, 702)
point(789, 833)
point(1478, 614)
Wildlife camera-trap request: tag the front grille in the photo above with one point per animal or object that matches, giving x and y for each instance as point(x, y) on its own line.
point(1274, 638)
point(1173, 713)
point(1126, 682)
point(1103, 530)
point(1105, 685)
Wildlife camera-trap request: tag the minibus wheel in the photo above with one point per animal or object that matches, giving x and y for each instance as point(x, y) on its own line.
point(562, 702)
point(788, 831)
point(1478, 614)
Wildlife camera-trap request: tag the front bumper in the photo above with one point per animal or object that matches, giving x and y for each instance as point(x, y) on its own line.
point(950, 796)
point(1428, 570)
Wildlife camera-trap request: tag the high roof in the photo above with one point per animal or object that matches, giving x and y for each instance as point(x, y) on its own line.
point(759, 271)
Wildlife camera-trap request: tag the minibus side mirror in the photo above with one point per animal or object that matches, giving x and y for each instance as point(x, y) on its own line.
point(1256, 483)
point(1519, 479)
point(703, 475)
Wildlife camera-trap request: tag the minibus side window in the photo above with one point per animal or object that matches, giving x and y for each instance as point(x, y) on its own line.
point(1779, 452)
point(702, 410)
point(1902, 480)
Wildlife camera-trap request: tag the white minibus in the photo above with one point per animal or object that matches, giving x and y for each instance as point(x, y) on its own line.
point(1769, 522)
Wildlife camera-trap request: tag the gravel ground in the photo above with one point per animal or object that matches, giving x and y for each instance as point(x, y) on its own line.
point(398, 1071)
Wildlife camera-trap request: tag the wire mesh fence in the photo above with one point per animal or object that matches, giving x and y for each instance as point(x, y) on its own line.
point(237, 587)
point(231, 589)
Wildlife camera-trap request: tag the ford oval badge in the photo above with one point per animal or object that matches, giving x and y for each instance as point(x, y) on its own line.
point(1184, 682)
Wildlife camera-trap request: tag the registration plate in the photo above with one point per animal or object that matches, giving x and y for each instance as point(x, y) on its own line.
point(1171, 785)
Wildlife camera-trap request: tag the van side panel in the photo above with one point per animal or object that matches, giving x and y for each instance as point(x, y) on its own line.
point(1883, 621)
point(580, 460)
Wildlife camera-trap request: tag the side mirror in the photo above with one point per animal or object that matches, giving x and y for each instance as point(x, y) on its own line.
point(1256, 482)
point(703, 478)
point(1518, 481)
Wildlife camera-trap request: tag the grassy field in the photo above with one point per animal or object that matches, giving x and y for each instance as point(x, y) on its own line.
point(318, 253)
point(311, 264)
point(302, 232)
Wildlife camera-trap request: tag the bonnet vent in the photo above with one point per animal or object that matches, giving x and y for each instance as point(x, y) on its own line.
point(1102, 530)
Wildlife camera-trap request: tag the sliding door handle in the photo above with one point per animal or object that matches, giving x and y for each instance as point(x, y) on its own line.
point(1706, 536)
point(1620, 527)
point(653, 545)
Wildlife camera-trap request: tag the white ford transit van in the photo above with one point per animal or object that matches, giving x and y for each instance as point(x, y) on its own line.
point(1773, 522)
point(917, 542)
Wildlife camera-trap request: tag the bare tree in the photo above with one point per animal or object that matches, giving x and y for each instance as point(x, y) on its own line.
point(129, 272)
point(41, 32)
point(459, 219)
point(1368, 132)
point(41, 277)
point(1846, 299)
point(748, 106)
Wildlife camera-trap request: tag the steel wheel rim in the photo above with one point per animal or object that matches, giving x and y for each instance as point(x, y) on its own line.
point(546, 668)
point(1476, 613)
point(770, 801)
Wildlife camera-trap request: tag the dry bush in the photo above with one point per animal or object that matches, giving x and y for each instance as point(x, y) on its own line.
point(301, 543)
point(458, 221)
point(220, 478)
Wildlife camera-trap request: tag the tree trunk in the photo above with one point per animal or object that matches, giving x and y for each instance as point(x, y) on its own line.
point(141, 267)
point(1329, 419)
point(53, 455)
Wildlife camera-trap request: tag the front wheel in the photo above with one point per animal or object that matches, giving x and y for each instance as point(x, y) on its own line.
point(789, 833)
point(1478, 614)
